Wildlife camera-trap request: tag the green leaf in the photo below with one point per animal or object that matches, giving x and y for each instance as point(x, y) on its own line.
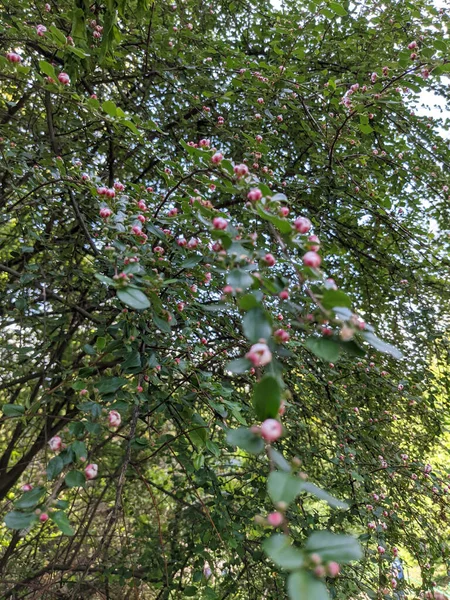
point(133, 298)
point(245, 439)
point(248, 301)
point(30, 499)
point(54, 467)
point(13, 410)
point(352, 348)
point(161, 324)
point(108, 385)
point(48, 69)
point(310, 488)
point(281, 224)
point(190, 591)
point(60, 519)
point(278, 459)
point(131, 126)
point(279, 549)
point(58, 35)
point(331, 546)
point(110, 108)
point(302, 585)
point(239, 279)
point(323, 348)
point(267, 397)
point(19, 520)
point(440, 45)
point(333, 298)
point(239, 365)
point(256, 325)
point(338, 9)
point(75, 479)
point(365, 128)
point(283, 487)
point(384, 347)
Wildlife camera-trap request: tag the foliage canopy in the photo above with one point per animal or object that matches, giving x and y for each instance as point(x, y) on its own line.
point(216, 219)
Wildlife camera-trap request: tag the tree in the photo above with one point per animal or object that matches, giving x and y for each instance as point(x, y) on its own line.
point(223, 262)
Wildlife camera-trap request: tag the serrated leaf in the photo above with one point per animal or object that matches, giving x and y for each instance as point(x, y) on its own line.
point(338, 9)
point(283, 487)
point(279, 549)
point(323, 348)
point(13, 410)
point(318, 492)
point(48, 69)
point(30, 499)
point(267, 397)
point(239, 279)
point(333, 298)
point(108, 385)
point(110, 108)
point(133, 298)
point(302, 585)
point(256, 325)
point(238, 366)
point(54, 467)
point(60, 519)
point(278, 459)
point(331, 546)
point(79, 449)
point(19, 520)
point(381, 346)
point(245, 439)
point(75, 479)
point(58, 34)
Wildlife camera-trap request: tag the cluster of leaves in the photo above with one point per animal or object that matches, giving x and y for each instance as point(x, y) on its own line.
point(139, 274)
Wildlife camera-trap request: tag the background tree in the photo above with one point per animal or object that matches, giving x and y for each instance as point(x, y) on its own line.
point(186, 191)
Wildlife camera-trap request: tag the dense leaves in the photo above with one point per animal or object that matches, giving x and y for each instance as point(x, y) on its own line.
point(224, 266)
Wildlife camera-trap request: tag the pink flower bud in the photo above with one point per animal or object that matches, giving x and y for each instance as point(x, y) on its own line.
point(43, 517)
point(13, 57)
point(241, 170)
point(26, 487)
point(271, 430)
point(333, 569)
point(284, 211)
point(114, 418)
point(219, 223)
point(269, 259)
point(204, 143)
point(105, 213)
point(64, 78)
point(302, 225)
point(281, 335)
point(312, 259)
point(254, 195)
point(55, 443)
point(259, 354)
point(381, 550)
point(40, 30)
point(217, 158)
point(91, 471)
point(275, 519)
point(284, 295)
